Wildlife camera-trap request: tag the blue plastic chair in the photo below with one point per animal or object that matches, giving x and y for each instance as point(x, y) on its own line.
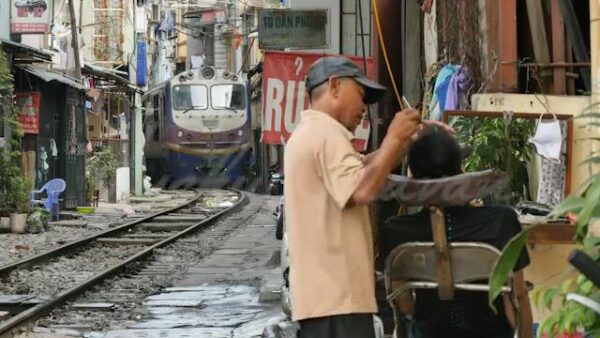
point(53, 188)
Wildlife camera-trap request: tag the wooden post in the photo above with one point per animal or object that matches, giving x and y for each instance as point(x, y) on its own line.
point(444, 264)
point(558, 49)
point(75, 40)
point(595, 59)
point(538, 34)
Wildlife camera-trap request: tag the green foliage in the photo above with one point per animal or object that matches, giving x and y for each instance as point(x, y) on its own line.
point(11, 181)
point(505, 264)
point(570, 316)
point(102, 167)
point(500, 145)
point(38, 216)
point(18, 195)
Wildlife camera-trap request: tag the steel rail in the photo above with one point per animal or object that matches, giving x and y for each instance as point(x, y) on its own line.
point(81, 242)
point(45, 308)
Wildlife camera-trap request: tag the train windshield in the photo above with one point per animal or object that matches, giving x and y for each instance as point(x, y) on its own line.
point(228, 96)
point(190, 97)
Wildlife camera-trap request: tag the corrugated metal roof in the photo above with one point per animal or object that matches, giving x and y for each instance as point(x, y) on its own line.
point(109, 74)
point(48, 75)
point(26, 49)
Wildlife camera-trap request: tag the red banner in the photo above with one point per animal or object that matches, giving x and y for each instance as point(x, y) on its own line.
point(28, 110)
point(284, 75)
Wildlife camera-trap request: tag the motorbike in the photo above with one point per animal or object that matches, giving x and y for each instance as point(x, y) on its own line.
point(279, 220)
point(275, 181)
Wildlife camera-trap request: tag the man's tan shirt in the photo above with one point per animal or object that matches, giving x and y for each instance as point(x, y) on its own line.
point(331, 248)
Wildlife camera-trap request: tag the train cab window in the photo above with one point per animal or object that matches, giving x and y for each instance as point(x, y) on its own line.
point(190, 97)
point(228, 96)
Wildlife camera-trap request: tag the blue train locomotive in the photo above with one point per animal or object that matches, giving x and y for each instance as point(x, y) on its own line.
point(197, 129)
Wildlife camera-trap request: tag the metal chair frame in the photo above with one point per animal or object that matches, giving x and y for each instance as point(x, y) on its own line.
point(439, 264)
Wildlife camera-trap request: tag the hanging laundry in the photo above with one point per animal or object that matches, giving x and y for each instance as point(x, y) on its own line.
point(442, 82)
point(53, 148)
point(451, 85)
point(457, 88)
point(426, 6)
point(548, 139)
point(551, 188)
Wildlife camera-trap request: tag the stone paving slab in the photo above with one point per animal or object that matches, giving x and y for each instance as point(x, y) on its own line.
point(234, 289)
point(162, 333)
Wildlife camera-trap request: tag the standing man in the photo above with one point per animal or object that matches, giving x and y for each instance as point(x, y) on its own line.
point(328, 186)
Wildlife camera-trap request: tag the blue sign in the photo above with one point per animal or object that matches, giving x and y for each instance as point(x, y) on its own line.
point(141, 63)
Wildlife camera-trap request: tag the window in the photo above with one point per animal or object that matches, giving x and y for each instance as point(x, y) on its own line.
point(190, 97)
point(228, 96)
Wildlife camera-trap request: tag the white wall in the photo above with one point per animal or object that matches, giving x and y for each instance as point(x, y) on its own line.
point(333, 34)
point(4, 19)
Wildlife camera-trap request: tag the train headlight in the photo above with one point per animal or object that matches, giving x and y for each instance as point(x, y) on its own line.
point(208, 72)
point(190, 75)
point(240, 132)
point(180, 133)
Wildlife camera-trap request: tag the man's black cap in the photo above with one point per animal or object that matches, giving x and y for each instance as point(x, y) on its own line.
point(339, 66)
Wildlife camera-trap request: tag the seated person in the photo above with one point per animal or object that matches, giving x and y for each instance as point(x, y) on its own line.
point(436, 154)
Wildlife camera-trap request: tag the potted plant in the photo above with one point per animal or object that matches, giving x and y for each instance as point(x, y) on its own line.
point(102, 167)
point(10, 154)
point(14, 188)
point(19, 193)
point(37, 220)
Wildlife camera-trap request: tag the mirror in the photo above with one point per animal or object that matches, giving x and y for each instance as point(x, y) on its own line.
point(501, 140)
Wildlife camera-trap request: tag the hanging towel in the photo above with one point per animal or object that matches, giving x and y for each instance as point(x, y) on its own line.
point(53, 148)
point(438, 101)
point(457, 88)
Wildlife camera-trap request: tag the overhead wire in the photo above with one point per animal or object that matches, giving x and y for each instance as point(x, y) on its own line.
point(370, 112)
point(385, 55)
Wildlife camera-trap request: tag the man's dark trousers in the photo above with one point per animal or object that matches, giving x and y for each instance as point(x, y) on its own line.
point(340, 326)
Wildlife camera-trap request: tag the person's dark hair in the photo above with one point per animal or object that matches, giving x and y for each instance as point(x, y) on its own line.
point(434, 154)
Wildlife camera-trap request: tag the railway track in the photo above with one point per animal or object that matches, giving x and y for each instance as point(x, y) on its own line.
point(105, 254)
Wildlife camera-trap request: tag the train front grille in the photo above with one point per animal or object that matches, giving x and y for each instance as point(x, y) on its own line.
point(210, 123)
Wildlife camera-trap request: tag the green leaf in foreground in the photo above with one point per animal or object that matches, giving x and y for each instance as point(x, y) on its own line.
point(505, 264)
point(573, 204)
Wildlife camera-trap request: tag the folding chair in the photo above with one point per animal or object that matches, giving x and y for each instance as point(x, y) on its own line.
point(440, 265)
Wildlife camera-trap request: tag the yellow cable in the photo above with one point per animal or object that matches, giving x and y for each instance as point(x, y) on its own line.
point(385, 56)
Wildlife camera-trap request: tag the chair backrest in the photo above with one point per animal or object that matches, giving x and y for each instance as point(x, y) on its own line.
point(446, 191)
point(437, 194)
point(56, 185)
point(417, 261)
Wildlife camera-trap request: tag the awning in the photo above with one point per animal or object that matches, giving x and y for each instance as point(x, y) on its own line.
point(49, 75)
point(24, 51)
point(106, 73)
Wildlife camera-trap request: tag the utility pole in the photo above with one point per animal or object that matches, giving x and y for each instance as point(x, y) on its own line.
point(135, 67)
point(75, 40)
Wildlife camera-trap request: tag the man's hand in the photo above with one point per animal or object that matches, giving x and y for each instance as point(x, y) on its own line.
point(404, 125)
